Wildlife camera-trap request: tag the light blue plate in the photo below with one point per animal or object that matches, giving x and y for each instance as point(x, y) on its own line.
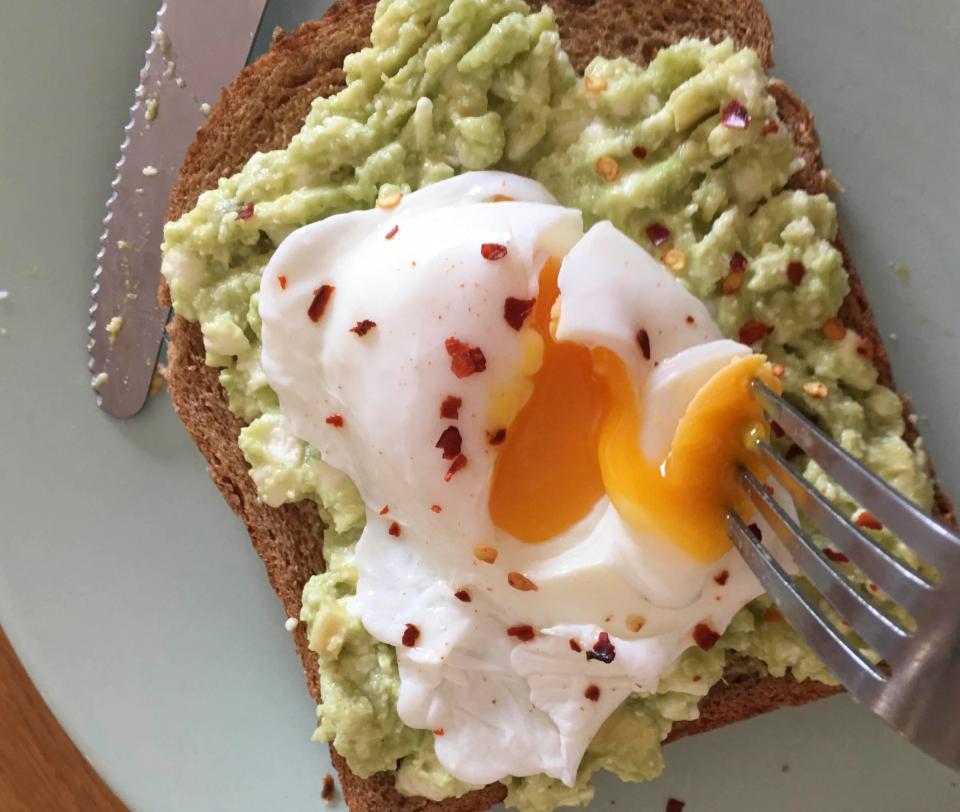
point(132, 593)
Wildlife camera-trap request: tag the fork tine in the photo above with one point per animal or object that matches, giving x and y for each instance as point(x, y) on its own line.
point(932, 540)
point(857, 673)
point(902, 584)
point(882, 632)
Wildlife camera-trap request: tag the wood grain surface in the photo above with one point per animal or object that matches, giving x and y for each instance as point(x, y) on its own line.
point(40, 768)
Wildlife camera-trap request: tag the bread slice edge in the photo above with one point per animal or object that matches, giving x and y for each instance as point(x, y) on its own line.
point(262, 109)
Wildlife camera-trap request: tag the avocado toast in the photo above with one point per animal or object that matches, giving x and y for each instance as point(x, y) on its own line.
point(262, 110)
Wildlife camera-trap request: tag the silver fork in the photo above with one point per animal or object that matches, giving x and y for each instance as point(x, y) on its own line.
point(916, 685)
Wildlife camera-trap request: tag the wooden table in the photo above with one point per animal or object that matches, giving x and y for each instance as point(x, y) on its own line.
point(40, 768)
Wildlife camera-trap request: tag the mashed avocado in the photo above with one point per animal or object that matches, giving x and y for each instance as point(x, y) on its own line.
point(455, 85)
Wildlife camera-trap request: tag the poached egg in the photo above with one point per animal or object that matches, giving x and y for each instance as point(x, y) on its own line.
point(543, 425)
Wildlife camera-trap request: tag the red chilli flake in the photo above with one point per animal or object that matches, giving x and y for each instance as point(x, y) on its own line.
point(738, 262)
point(394, 529)
point(497, 437)
point(868, 520)
point(865, 347)
point(493, 250)
point(658, 234)
point(575, 646)
point(450, 441)
point(410, 636)
point(246, 212)
point(721, 577)
point(391, 233)
point(335, 420)
point(795, 272)
point(462, 595)
point(283, 282)
point(363, 327)
point(836, 556)
point(773, 615)
point(592, 693)
point(464, 359)
point(643, 339)
point(735, 116)
point(515, 311)
point(770, 128)
point(384, 510)
point(639, 152)
point(436, 508)
point(456, 465)
point(523, 633)
point(603, 650)
point(439, 731)
point(704, 636)
point(450, 408)
point(321, 296)
point(673, 805)
point(754, 331)
point(755, 529)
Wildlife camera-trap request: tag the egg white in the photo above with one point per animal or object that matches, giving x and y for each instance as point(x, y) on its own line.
point(506, 707)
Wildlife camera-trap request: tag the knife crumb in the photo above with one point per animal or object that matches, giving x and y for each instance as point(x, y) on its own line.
point(163, 40)
point(158, 380)
point(99, 381)
point(114, 326)
point(153, 107)
point(149, 171)
point(205, 108)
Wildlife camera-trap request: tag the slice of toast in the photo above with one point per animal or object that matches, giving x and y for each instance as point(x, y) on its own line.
point(261, 110)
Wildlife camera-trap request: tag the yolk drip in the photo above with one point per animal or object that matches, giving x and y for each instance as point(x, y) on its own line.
point(577, 437)
point(685, 497)
point(546, 476)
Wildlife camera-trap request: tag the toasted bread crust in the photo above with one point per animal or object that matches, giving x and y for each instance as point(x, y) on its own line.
point(262, 109)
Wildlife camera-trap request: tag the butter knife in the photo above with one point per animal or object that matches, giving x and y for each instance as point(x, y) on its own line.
point(196, 48)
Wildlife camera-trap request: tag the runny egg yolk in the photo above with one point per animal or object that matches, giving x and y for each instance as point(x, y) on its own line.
point(685, 497)
point(546, 476)
point(577, 438)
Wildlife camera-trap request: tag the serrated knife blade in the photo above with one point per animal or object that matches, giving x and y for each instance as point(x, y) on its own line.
point(196, 48)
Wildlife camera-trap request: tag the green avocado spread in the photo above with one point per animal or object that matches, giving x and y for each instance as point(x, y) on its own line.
point(453, 85)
